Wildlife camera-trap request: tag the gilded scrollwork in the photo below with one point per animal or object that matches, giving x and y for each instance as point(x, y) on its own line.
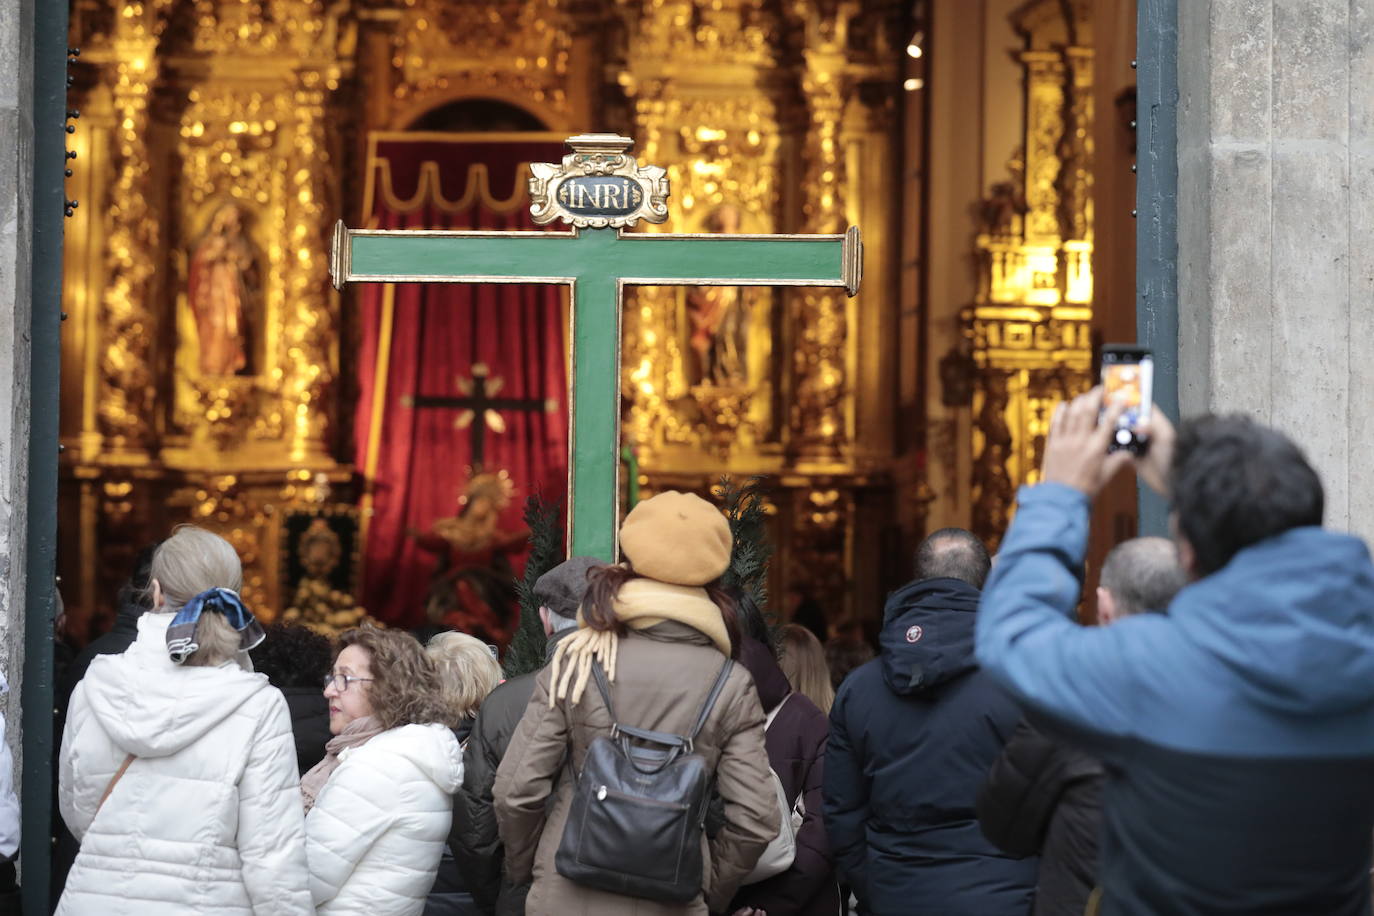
point(510, 48)
point(131, 233)
point(558, 192)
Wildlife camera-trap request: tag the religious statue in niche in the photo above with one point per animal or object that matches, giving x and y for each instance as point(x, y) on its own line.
point(319, 602)
point(222, 291)
point(719, 319)
point(473, 589)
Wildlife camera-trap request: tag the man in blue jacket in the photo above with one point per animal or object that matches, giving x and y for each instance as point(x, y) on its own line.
point(912, 736)
point(1238, 729)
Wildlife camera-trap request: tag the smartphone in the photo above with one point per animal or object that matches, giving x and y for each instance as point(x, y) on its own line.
point(1128, 379)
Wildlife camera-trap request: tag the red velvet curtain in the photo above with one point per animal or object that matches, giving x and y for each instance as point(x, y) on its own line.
point(416, 462)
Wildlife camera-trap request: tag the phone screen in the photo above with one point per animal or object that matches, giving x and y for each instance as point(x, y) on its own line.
point(1127, 379)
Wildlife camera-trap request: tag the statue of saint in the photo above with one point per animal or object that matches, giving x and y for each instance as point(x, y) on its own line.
point(223, 285)
point(719, 319)
point(473, 589)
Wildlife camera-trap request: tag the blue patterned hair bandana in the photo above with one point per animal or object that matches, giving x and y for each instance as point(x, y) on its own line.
point(181, 635)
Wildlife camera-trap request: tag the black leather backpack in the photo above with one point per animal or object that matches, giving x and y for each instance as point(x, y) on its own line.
point(638, 809)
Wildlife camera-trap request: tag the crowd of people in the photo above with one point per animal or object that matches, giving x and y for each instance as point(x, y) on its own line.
point(1204, 748)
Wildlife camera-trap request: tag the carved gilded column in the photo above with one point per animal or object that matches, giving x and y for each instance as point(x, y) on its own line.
point(1029, 329)
point(819, 424)
point(131, 232)
point(309, 324)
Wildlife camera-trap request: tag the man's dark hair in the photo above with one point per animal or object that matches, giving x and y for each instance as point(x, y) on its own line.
point(137, 591)
point(293, 656)
point(1143, 574)
point(1236, 482)
point(953, 553)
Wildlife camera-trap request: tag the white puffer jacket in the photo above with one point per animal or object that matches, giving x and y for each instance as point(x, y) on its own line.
point(207, 819)
point(378, 828)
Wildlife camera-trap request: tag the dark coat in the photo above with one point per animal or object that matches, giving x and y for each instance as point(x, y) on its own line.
point(120, 638)
point(309, 723)
point(912, 736)
point(1044, 797)
point(473, 839)
point(796, 752)
point(449, 896)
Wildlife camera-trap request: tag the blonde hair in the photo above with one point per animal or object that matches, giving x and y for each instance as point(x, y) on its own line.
point(802, 659)
point(467, 671)
point(189, 562)
point(216, 640)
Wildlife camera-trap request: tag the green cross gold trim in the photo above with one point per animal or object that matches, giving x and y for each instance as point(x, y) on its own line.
point(596, 265)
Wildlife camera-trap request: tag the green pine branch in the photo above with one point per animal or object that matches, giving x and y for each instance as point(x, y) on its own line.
point(526, 650)
point(744, 508)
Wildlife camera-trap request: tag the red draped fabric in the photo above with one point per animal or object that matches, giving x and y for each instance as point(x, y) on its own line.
point(415, 462)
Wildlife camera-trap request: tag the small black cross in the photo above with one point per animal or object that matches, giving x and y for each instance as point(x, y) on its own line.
point(480, 408)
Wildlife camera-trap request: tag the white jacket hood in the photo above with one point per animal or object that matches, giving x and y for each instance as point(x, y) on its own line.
point(433, 750)
point(152, 708)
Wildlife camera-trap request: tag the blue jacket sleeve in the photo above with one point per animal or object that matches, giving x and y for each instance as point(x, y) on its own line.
point(1087, 678)
point(846, 798)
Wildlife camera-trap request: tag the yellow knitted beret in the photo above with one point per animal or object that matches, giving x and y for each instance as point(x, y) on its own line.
point(678, 538)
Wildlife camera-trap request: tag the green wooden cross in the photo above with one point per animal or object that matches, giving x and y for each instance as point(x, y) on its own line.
point(600, 190)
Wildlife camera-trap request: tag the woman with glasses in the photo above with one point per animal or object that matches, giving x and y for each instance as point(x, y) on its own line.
point(380, 803)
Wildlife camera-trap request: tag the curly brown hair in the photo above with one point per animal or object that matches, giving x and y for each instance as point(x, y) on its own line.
point(405, 686)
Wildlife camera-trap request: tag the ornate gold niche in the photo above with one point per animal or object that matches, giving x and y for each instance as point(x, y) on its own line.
point(1029, 330)
point(196, 108)
point(781, 110)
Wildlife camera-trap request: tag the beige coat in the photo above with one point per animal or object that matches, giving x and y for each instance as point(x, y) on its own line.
point(662, 677)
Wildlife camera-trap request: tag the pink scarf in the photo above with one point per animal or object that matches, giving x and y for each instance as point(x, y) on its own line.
point(355, 734)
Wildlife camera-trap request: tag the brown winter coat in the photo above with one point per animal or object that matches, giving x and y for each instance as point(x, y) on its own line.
point(662, 677)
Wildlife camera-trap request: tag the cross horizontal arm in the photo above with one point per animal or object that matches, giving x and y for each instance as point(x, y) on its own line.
point(559, 257)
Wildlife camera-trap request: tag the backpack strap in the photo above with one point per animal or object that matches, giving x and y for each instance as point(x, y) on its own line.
point(668, 739)
point(119, 774)
point(711, 698)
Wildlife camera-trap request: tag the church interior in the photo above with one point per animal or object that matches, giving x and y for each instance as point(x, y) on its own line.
point(369, 451)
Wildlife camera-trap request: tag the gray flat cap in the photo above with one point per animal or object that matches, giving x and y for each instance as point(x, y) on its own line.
point(561, 588)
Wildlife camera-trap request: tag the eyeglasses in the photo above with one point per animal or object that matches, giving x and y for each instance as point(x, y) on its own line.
point(340, 682)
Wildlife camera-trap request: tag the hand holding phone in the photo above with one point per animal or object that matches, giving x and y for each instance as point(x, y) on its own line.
point(1128, 383)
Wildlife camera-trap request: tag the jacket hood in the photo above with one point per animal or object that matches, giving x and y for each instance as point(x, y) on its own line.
point(152, 708)
point(769, 680)
point(1294, 615)
point(927, 637)
point(432, 748)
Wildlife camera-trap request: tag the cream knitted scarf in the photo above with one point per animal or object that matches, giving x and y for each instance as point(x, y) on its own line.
point(640, 603)
point(354, 734)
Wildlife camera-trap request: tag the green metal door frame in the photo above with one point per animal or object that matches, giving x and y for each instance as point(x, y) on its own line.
point(49, 201)
point(1156, 278)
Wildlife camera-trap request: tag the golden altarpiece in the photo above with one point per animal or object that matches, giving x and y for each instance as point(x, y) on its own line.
point(220, 139)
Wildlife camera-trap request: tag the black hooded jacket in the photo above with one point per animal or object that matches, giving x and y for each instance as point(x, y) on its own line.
point(1044, 797)
point(473, 839)
point(912, 736)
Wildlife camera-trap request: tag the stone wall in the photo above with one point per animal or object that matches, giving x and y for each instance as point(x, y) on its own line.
point(1276, 215)
point(16, 175)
